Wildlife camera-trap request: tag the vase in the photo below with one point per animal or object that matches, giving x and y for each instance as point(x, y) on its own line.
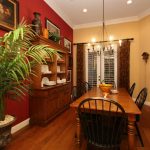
point(45, 33)
point(37, 25)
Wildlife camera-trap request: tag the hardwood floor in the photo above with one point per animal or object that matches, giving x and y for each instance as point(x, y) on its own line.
point(59, 134)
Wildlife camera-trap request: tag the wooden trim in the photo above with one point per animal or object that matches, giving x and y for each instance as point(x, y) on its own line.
point(128, 39)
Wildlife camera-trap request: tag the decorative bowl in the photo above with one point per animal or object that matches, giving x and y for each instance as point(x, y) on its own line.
point(105, 87)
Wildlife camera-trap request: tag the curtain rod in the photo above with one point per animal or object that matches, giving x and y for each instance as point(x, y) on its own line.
point(128, 39)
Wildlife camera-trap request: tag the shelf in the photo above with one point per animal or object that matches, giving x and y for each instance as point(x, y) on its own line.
point(48, 101)
point(52, 86)
point(49, 60)
point(41, 39)
point(61, 72)
point(61, 62)
point(47, 74)
point(57, 63)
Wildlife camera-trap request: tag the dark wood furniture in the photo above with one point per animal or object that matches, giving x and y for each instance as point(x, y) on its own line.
point(53, 64)
point(46, 102)
point(131, 90)
point(79, 90)
point(124, 99)
point(140, 100)
point(102, 126)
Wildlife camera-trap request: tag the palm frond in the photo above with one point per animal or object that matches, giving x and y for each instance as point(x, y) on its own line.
point(18, 55)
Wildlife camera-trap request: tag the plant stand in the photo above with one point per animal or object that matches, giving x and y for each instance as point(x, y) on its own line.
point(5, 130)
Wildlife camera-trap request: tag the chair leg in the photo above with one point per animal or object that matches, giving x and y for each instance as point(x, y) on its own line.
point(139, 134)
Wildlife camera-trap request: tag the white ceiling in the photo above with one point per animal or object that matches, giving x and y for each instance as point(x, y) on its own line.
point(115, 10)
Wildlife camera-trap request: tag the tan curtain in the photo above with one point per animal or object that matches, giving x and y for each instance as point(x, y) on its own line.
point(124, 65)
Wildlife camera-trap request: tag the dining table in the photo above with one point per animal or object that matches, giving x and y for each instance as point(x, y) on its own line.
point(123, 98)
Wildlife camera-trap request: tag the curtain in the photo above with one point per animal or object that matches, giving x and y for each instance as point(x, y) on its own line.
point(124, 64)
point(80, 63)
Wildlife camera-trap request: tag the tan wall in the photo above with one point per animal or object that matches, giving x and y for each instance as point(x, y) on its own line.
point(136, 30)
point(145, 47)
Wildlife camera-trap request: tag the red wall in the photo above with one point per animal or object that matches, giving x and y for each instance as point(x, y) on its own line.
point(26, 8)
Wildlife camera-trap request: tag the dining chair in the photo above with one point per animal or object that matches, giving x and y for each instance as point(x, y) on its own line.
point(102, 122)
point(87, 85)
point(140, 100)
point(84, 84)
point(131, 90)
point(77, 91)
point(81, 88)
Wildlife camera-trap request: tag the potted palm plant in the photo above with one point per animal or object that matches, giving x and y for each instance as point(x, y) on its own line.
point(18, 55)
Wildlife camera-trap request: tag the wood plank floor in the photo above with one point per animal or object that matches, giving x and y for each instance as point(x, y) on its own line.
point(59, 134)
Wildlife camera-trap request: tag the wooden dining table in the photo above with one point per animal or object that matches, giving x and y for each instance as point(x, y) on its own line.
point(124, 99)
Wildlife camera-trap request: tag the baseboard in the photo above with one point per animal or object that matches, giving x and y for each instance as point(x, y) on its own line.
point(20, 126)
point(134, 99)
point(147, 103)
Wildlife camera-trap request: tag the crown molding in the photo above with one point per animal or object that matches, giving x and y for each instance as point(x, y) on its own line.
point(87, 25)
point(122, 20)
point(114, 21)
point(59, 11)
point(144, 14)
point(107, 22)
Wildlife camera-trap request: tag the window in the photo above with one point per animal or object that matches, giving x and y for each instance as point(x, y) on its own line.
point(102, 64)
point(92, 68)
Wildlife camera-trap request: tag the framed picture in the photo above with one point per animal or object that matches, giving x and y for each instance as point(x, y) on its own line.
point(9, 14)
point(67, 44)
point(52, 27)
point(69, 75)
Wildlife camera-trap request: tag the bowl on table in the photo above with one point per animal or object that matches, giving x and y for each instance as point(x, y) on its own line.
point(106, 88)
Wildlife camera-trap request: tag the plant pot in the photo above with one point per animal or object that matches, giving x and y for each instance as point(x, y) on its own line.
point(5, 130)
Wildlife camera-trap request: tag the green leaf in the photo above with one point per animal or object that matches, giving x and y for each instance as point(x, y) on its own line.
point(18, 55)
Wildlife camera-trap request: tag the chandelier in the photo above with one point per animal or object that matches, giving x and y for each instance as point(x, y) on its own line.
point(102, 46)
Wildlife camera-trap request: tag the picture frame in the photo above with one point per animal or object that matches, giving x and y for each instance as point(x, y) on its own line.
point(9, 14)
point(51, 27)
point(67, 44)
point(69, 75)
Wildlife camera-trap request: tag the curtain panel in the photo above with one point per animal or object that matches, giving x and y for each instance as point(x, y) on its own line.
point(80, 63)
point(124, 64)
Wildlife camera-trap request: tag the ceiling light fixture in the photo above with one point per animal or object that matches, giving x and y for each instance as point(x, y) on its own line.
point(84, 10)
point(111, 38)
point(102, 45)
point(93, 40)
point(106, 44)
point(129, 2)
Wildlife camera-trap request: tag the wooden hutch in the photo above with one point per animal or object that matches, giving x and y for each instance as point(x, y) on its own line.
point(46, 102)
